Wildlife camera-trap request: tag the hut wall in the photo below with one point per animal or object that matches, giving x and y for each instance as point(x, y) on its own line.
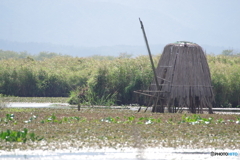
point(183, 71)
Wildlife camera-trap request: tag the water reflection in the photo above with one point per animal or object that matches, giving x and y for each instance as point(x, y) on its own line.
point(113, 154)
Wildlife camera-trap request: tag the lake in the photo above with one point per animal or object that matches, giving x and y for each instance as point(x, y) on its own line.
point(117, 154)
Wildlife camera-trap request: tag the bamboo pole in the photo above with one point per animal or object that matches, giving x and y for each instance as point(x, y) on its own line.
point(150, 55)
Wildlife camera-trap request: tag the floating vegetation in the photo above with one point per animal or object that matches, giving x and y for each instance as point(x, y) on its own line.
point(116, 128)
point(132, 119)
point(31, 119)
point(196, 119)
point(8, 118)
point(19, 136)
point(53, 119)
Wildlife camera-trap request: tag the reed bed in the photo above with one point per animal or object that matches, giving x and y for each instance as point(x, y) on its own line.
point(105, 80)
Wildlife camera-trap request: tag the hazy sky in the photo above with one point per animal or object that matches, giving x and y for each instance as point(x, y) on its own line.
point(94, 23)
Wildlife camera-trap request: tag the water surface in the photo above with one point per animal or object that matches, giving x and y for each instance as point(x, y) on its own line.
point(116, 154)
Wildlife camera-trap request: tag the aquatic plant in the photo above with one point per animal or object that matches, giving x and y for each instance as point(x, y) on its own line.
point(119, 128)
point(8, 118)
point(31, 119)
point(132, 119)
point(195, 119)
point(110, 120)
point(238, 120)
point(19, 136)
point(53, 119)
point(149, 120)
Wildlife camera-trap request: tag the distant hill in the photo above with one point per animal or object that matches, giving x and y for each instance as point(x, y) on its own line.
point(35, 48)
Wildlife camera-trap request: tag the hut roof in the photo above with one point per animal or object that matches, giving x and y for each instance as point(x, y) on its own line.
point(183, 72)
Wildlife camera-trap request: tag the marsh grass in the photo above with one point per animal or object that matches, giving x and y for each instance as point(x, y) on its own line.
point(66, 128)
point(8, 99)
point(108, 80)
point(2, 104)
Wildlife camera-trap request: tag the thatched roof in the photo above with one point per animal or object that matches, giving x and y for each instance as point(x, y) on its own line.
point(184, 75)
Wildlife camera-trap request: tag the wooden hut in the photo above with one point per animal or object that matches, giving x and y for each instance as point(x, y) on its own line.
point(183, 78)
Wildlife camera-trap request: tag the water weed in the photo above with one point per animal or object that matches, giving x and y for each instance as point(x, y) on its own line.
point(19, 136)
point(8, 118)
point(54, 119)
point(116, 128)
point(196, 119)
point(31, 119)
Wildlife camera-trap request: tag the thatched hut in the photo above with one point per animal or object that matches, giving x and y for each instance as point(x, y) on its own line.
point(183, 78)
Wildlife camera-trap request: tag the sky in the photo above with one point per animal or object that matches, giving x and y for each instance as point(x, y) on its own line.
point(96, 23)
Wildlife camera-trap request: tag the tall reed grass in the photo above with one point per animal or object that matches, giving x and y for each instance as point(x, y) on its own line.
point(225, 73)
point(102, 80)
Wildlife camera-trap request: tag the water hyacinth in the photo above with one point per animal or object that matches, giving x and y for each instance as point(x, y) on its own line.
point(31, 119)
point(149, 122)
point(8, 118)
point(196, 119)
point(131, 119)
point(19, 136)
point(117, 128)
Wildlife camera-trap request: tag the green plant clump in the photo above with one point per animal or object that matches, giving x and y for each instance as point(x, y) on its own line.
point(7, 119)
point(19, 136)
point(196, 119)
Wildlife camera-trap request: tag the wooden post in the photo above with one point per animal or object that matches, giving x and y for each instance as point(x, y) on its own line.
point(150, 55)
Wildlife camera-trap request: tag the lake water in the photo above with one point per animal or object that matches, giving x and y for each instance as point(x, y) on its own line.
point(135, 108)
point(37, 105)
point(117, 154)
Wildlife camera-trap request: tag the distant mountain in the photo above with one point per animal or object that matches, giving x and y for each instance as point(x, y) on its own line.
point(35, 48)
point(213, 49)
